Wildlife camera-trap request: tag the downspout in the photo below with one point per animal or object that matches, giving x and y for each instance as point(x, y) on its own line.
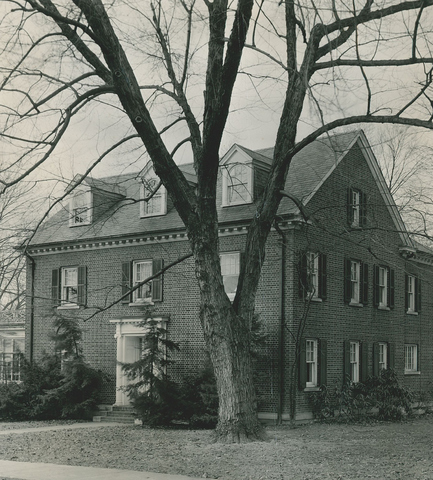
point(32, 307)
point(281, 356)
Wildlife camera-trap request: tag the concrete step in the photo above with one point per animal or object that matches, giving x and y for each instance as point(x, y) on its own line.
point(115, 418)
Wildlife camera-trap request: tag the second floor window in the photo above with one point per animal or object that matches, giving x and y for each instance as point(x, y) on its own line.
point(355, 282)
point(413, 294)
point(313, 276)
point(69, 286)
point(137, 271)
point(383, 287)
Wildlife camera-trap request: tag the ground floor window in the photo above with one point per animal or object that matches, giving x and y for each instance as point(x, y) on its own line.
point(10, 359)
point(410, 358)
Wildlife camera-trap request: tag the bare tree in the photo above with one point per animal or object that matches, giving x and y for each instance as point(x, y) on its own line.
point(145, 62)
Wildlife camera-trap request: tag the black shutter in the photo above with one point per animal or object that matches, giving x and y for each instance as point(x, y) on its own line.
point(391, 289)
point(349, 209)
point(406, 292)
point(126, 281)
point(376, 285)
point(302, 367)
point(418, 359)
point(323, 362)
point(364, 283)
point(391, 355)
point(303, 275)
point(157, 265)
point(55, 287)
point(347, 280)
point(82, 286)
point(376, 350)
point(363, 209)
point(417, 295)
point(363, 361)
point(322, 276)
point(346, 362)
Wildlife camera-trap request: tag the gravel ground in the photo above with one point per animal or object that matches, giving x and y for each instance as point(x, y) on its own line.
point(316, 451)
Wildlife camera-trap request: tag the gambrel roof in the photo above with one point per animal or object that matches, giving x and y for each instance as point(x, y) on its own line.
point(308, 171)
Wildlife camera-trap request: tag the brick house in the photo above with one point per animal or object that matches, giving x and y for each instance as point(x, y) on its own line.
point(341, 275)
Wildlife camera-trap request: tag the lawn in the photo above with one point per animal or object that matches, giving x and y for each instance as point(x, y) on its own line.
point(316, 451)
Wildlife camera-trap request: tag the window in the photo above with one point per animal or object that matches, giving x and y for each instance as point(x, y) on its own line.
point(10, 359)
point(383, 356)
point(69, 287)
point(311, 360)
point(156, 203)
point(383, 287)
point(354, 361)
point(80, 207)
point(312, 276)
point(230, 267)
point(410, 358)
point(355, 282)
point(135, 272)
point(141, 271)
point(356, 208)
point(237, 184)
point(312, 363)
point(413, 294)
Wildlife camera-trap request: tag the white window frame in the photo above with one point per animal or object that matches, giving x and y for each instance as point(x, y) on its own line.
point(410, 358)
point(354, 361)
point(411, 293)
point(67, 286)
point(227, 182)
point(10, 365)
point(230, 267)
point(311, 350)
point(383, 287)
point(81, 215)
point(313, 274)
point(356, 208)
point(137, 297)
point(383, 356)
point(355, 281)
point(147, 207)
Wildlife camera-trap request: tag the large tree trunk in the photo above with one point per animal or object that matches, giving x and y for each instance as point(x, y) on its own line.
point(227, 337)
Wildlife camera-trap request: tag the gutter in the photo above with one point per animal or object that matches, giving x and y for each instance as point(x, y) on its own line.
point(31, 307)
point(281, 314)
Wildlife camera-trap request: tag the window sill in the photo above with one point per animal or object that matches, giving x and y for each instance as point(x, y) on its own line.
point(382, 307)
point(140, 304)
point(83, 224)
point(407, 372)
point(356, 304)
point(312, 389)
point(315, 299)
point(68, 307)
point(150, 215)
point(411, 313)
point(247, 202)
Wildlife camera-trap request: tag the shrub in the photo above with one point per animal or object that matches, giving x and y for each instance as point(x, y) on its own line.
point(200, 399)
point(356, 401)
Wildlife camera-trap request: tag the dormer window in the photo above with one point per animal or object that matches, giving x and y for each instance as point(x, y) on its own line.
point(154, 198)
point(80, 207)
point(237, 184)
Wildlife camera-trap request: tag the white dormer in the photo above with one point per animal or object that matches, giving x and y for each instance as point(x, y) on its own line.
point(153, 195)
point(237, 177)
point(80, 206)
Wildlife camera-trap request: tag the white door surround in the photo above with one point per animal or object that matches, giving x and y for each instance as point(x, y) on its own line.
point(129, 332)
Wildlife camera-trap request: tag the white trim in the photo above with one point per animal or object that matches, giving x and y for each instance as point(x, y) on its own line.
point(89, 201)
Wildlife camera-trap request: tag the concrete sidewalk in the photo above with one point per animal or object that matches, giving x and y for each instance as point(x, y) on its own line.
point(72, 426)
point(50, 471)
